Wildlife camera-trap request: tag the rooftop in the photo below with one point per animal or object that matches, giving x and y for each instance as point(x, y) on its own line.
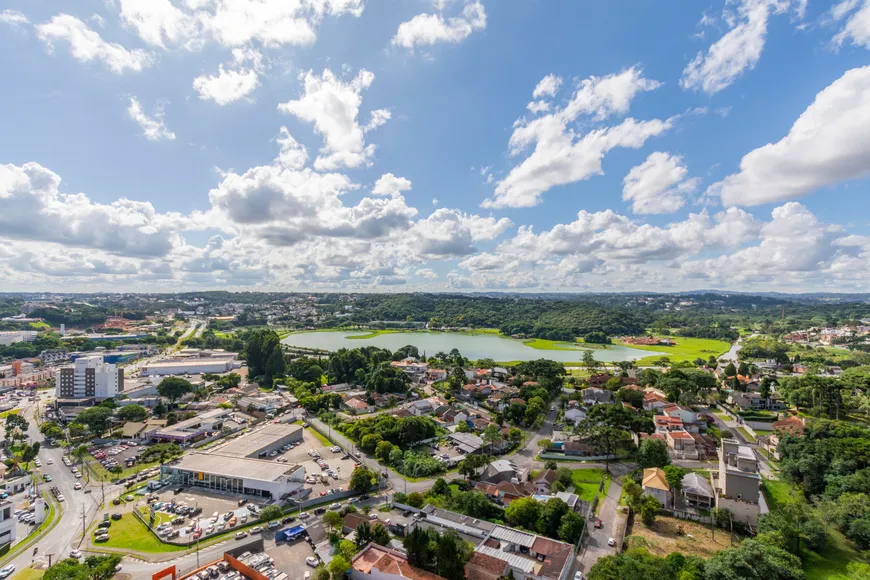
point(238, 467)
point(388, 561)
point(654, 478)
point(252, 443)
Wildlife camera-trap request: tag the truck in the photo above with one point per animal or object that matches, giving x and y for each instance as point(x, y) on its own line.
point(290, 534)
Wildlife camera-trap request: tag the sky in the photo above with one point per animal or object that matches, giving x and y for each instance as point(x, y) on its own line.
point(434, 145)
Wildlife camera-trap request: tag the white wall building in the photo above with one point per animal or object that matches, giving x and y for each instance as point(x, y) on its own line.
point(189, 367)
point(11, 337)
point(89, 377)
point(7, 523)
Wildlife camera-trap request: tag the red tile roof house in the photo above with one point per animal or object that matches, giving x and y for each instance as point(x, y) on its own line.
point(355, 406)
point(377, 562)
point(599, 380)
point(682, 444)
point(664, 423)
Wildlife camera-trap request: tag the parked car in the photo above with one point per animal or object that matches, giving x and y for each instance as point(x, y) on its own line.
point(241, 535)
point(611, 542)
point(7, 571)
point(597, 523)
point(312, 561)
point(256, 529)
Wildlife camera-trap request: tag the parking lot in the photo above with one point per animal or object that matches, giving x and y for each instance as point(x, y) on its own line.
point(316, 477)
point(213, 517)
point(291, 556)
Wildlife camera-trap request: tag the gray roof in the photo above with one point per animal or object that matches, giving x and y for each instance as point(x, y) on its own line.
point(516, 560)
point(468, 440)
point(252, 443)
point(502, 465)
point(694, 483)
point(238, 467)
point(513, 536)
point(568, 498)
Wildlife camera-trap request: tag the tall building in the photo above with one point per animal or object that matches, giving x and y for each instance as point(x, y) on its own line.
point(89, 377)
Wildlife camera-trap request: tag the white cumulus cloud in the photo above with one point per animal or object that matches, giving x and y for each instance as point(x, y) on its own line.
point(430, 29)
point(153, 128)
point(389, 184)
point(658, 185)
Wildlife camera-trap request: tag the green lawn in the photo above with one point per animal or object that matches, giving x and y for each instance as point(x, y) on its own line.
point(746, 434)
point(544, 344)
point(777, 493)
point(5, 414)
point(586, 482)
point(686, 349)
point(723, 416)
point(28, 574)
point(129, 533)
point(831, 563)
point(40, 325)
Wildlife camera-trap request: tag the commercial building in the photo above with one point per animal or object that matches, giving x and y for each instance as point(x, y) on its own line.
point(198, 366)
point(235, 467)
point(7, 523)
point(190, 430)
point(11, 337)
point(101, 337)
point(89, 377)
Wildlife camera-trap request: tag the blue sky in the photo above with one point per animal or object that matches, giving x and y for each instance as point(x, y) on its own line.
point(158, 145)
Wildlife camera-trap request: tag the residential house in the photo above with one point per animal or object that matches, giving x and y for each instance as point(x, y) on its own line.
point(357, 406)
point(665, 424)
point(517, 401)
point(654, 402)
point(737, 483)
point(569, 498)
point(682, 444)
point(453, 416)
point(704, 445)
point(755, 402)
point(656, 484)
point(504, 492)
point(579, 449)
point(697, 491)
point(544, 481)
point(435, 375)
point(467, 443)
point(792, 425)
point(574, 415)
point(484, 567)
point(420, 408)
point(691, 421)
point(495, 399)
point(599, 380)
point(594, 396)
point(376, 562)
point(502, 470)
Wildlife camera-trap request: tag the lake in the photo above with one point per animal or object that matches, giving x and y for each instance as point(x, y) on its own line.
point(472, 346)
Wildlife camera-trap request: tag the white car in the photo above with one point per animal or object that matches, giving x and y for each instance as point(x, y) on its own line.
point(336, 448)
point(578, 576)
point(75, 554)
point(77, 485)
point(7, 571)
point(310, 560)
point(50, 461)
point(611, 542)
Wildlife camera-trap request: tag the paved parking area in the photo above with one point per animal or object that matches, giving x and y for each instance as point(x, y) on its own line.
point(343, 468)
point(291, 557)
point(211, 503)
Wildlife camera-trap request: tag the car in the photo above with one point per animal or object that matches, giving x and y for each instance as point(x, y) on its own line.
point(228, 515)
point(611, 542)
point(319, 511)
point(274, 524)
point(178, 490)
point(129, 498)
point(256, 529)
point(304, 516)
point(335, 449)
point(597, 523)
point(232, 521)
point(75, 554)
point(364, 497)
point(241, 535)
point(352, 500)
point(273, 454)
point(116, 516)
point(49, 461)
point(244, 518)
point(578, 576)
point(7, 571)
point(373, 516)
point(335, 507)
point(287, 520)
point(312, 561)
point(101, 538)
point(77, 486)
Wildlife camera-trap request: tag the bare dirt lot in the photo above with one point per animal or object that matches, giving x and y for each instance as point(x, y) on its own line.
point(662, 538)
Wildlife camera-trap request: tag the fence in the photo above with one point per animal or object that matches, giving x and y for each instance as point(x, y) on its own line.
point(686, 515)
point(549, 455)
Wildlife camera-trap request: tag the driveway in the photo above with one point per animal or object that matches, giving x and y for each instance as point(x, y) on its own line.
point(613, 523)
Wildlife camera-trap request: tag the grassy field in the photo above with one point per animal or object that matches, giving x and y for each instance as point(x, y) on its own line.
point(28, 574)
point(40, 325)
point(129, 533)
point(777, 493)
point(746, 434)
point(544, 344)
point(722, 416)
point(662, 538)
point(5, 414)
point(686, 349)
point(831, 563)
point(586, 482)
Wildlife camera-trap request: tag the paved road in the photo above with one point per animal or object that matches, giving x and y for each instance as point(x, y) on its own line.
point(612, 524)
point(63, 538)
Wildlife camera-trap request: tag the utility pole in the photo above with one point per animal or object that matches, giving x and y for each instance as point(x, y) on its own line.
point(84, 530)
point(49, 559)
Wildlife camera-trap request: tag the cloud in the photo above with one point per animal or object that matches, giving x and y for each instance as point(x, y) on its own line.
point(378, 117)
point(738, 50)
point(827, 145)
point(856, 30)
point(13, 17)
point(427, 273)
point(389, 184)
point(228, 86)
point(153, 128)
point(332, 106)
point(449, 232)
point(233, 23)
point(87, 45)
point(548, 86)
point(431, 29)
point(34, 210)
point(658, 185)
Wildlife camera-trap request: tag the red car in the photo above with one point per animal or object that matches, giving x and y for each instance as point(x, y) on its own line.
point(597, 523)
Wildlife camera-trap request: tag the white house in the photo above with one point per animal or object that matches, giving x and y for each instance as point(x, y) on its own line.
point(574, 415)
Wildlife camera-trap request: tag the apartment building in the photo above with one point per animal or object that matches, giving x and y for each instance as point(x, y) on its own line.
point(738, 483)
point(89, 377)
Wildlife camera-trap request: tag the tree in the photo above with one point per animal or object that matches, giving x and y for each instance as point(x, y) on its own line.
point(270, 512)
point(648, 508)
point(69, 569)
point(450, 556)
point(565, 476)
point(491, 435)
point(765, 388)
point(173, 388)
point(571, 527)
point(51, 430)
point(362, 479)
point(589, 361)
point(159, 409)
point(416, 499)
point(462, 427)
point(333, 521)
point(417, 547)
point(675, 475)
point(338, 567)
point(524, 512)
point(15, 421)
point(321, 573)
point(363, 535)
point(275, 367)
point(102, 567)
point(653, 453)
point(633, 492)
point(545, 444)
point(383, 450)
point(347, 549)
point(440, 488)
point(754, 560)
point(132, 413)
point(469, 466)
point(551, 517)
point(730, 370)
point(380, 535)
point(96, 419)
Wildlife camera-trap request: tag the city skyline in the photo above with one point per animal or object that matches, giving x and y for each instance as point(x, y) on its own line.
point(445, 146)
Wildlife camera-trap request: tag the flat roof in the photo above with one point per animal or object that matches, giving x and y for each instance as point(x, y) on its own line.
point(238, 467)
point(206, 362)
point(253, 442)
